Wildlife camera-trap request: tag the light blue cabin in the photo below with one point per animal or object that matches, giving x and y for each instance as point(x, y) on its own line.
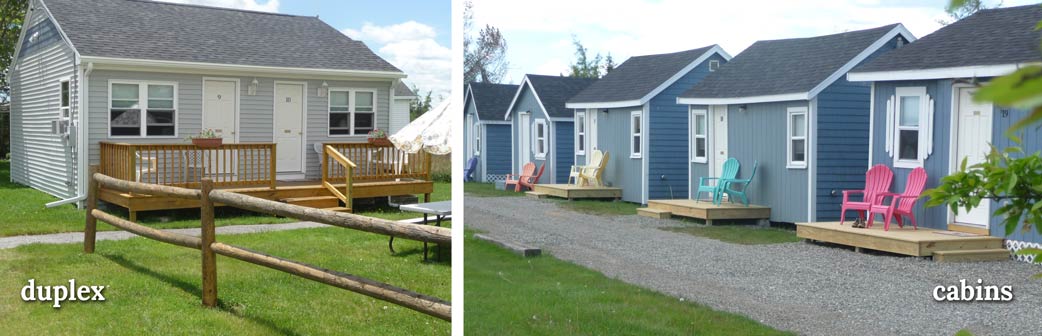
point(487, 134)
point(787, 105)
point(632, 114)
point(542, 126)
point(923, 113)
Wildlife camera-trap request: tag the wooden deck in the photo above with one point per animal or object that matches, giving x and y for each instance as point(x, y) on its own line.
point(705, 210)
point(571, 191)
point(924, 242)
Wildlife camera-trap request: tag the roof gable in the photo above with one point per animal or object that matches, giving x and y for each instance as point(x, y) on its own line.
point(639, 78)
point(491, 100)
point(553, 91)
point(989, 37)
point(147, 30)
point(792, 69)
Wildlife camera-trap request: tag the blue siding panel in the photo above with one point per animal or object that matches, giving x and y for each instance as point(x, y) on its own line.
point(613, 137)
point(842, 144)
point(563, 151)
point(1031, 143)
point(497, 149)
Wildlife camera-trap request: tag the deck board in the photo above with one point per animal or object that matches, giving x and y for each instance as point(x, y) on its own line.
point(571, 191)
point(921, 243)
point(708, 211)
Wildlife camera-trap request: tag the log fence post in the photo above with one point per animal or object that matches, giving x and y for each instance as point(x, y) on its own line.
point(206, 216)
point(90, 231)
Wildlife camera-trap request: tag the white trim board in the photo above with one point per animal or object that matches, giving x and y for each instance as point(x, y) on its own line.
point(128, 64)
point(972, 71)
point(716, 49)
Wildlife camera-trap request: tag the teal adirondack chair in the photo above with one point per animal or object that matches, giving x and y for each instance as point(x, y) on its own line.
point(729, 173)
point(741, 183)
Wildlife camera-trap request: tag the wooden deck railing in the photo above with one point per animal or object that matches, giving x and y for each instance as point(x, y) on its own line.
point(378, 163)
point(343, 164)
point(185, 165)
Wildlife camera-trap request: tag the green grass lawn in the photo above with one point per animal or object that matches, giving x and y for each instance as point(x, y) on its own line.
point(740, 234)
point(509, 295)
point(479, 189)
point(600, 207)
point(154, 288)
point(24, 212)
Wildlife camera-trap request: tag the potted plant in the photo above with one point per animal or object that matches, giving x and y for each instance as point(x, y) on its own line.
point(207, 138)
point(378, 137)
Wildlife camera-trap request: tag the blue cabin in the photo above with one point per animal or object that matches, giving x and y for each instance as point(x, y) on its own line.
point(487, 134)
point(542, 126)
point(924, 114)
point(641, 95)
point(787, 104)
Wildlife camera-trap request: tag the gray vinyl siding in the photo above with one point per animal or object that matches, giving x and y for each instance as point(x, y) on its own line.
point(526, 102)
point(256, 119)
point(1031, 143)
point(563, 151)
point(759, 134)
point(613, 137)
point(468, 135)
point(40, 159)
point(842, 144)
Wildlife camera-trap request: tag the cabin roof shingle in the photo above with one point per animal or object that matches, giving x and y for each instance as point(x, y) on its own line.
point(554, 91)
point(637, 77)
point(492, 100)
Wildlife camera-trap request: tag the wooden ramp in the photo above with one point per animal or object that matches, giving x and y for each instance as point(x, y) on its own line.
point(704, 210)
point(571, 191)
point(942, 245)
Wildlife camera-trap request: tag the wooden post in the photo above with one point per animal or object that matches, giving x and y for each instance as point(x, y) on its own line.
point(349, 199)
point(427, 164)
point(273, 160)
point(132, 172)
point(90, 231)
point(325, 164)
point(208, 236)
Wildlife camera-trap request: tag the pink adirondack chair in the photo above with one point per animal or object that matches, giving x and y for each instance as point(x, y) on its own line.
point(526, 172)
point(877, 180)
point(531, 182)
point(900, 204)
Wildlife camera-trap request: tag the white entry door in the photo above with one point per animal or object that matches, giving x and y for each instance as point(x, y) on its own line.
point(591, 132)
point(524, 138)
point(289, 127)
point(220, 100)
point(719, 135)
point(974, 134)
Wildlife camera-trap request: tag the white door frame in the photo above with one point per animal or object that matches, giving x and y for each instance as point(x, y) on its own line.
point(238, 102)
point(714, 113)
point(303, 121)
point(524, 134)
point(591, 133)
point(953, 148)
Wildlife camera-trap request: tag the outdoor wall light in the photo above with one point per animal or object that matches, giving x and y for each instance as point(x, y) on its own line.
point(252, 89)
point(323, 90)
point(742, 108)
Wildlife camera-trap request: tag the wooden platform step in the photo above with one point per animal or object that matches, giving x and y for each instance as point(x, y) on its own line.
point(533, 194)
point(972, 255)
point(314, 201)
point(654, 213)
point(338, 209)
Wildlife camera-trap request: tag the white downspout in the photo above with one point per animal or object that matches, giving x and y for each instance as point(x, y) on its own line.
point(82, 131)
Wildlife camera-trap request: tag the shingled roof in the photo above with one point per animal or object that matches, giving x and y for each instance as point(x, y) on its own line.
point(402, 90)
point(137, 29)
point(788, 66)
point(553, 91)
point(989, 37)
point(639, 76)
point(492, 100)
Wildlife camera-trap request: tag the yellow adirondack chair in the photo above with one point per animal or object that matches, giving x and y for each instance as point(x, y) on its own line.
point(593, 171)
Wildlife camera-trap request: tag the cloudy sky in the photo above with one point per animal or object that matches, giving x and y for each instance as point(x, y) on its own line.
point(539, 34)
point(414, 35)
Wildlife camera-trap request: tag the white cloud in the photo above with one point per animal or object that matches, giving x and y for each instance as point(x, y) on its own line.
point(411, 46)
point(254, 5)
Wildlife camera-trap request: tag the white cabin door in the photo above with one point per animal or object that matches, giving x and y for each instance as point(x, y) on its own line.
point(289, 127)
point(524, 138)
point(719, 135)
point(591, 133)
point(219, 105)
point(974, 134)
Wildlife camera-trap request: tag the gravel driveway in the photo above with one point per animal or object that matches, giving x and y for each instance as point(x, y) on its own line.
point(806, 288)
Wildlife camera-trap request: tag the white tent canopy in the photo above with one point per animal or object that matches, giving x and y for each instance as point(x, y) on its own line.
point(431, 132)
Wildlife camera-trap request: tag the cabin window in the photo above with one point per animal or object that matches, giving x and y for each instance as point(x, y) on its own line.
point(713, 65)
point(580, 133)
point(908, 127)
point(142, 109)
point(540, 139)
point(636, 134)
point(797, 135)
point(351, 112)
point(63, 109)
point(699, 151)
point(477, 139)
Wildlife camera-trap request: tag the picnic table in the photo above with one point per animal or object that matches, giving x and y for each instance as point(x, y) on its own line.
point(440, 210)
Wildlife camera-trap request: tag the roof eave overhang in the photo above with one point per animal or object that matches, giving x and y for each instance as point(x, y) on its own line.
point(936, 73)
point(615, 104)
point(745, 100)
point(114, 63)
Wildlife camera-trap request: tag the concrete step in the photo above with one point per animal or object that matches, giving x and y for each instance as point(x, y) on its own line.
point(534, 194)
point(997, 254)
point(338, 209)
point(314, 201)
point(654, 213)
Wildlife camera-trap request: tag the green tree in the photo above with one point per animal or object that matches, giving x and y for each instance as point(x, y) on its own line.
point(419, 106)
point(584, 66)
point(609, 64)
point(11, 14)
point(957, 10)
point(1009, 176)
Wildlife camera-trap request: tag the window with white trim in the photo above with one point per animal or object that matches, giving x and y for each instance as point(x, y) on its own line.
point(797, 135)
point(477, 139)
point(699, 136)
point(909, 126)
point(636, 135)
point(351, 112)
point(539, 137)
point(580, 133)
point(713, 65)
point(64, 101)
point(142, 109)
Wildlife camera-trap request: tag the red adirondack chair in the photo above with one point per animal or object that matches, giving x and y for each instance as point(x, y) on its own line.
point(877, 180)
point(900, 204)
point(526, 172)
point(531, 182)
